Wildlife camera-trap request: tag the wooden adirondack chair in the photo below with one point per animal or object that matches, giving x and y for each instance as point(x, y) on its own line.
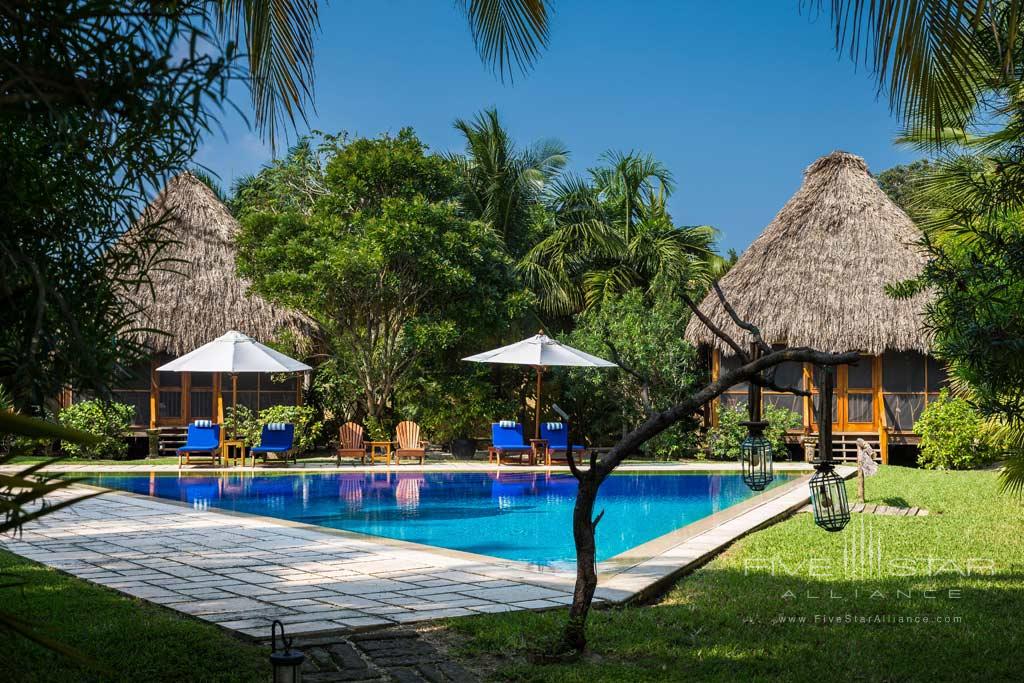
point(351, 443)
point(409, 445)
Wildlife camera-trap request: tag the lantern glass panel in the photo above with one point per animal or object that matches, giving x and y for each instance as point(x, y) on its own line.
point(756, 461)
point(828, 499)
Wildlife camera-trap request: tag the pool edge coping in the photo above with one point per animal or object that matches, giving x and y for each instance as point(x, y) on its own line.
point(638, 581)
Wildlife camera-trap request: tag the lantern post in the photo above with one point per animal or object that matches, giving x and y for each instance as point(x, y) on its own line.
point(756, 451)
point(828, 490)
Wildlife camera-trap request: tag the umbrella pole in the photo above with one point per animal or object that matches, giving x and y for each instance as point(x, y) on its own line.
point(536, 421)
point(234, 406)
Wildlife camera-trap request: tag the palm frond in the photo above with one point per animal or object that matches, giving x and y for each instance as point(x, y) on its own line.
point(509, 34)
point(932, 53)
point(278, 35)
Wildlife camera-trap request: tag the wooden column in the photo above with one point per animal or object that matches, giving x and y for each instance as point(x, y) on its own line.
point(219, 397)
point(154, 389)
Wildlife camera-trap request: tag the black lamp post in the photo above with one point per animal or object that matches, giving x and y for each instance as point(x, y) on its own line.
point(286, 662)
point(828, 490)
point(756, 450)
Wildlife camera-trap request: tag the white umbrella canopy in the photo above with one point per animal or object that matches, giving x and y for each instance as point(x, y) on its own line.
point(233, 353)
point(540, 351)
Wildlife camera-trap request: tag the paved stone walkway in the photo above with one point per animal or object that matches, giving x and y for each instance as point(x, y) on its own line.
point(391, 655)
point(242, 572)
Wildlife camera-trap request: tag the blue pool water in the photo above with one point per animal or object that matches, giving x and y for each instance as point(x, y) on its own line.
point(516, 516)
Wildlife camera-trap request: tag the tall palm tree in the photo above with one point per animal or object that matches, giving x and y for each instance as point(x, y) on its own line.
point(501, 184)
point(278, 36)
point(611, 233)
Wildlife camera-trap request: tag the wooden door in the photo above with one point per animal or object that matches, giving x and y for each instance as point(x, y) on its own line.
point(854, 400)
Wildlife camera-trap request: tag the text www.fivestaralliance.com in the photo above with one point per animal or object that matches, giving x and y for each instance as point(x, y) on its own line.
point(842, 619)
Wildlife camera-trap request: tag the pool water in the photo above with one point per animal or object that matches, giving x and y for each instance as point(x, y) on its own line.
point(515, 516)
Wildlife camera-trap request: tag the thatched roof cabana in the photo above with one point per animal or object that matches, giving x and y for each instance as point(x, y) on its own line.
point(817, 274)
point(198, 294)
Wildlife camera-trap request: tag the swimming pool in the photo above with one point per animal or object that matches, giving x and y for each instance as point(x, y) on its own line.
point(516, 516)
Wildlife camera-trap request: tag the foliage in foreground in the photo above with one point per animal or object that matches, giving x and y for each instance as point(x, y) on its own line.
point(116, 100)
point(731, 619)
point(108, 422)
point(952, 435)
point(725, 438)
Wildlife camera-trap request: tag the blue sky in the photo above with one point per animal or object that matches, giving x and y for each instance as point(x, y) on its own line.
point(736, 98)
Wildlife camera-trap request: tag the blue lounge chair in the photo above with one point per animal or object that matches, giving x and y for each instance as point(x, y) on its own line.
point(203, 439)
point(507, 438)
point(555, 438)
point(276, 437)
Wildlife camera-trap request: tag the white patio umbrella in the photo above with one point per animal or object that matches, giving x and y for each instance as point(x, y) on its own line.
point(540, 351)
point(233, 353)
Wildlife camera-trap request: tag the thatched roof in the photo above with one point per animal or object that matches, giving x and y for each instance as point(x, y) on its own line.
point(817, 274)
point(199, 296)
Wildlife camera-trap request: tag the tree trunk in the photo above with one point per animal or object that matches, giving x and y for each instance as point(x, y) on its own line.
point(574, 638)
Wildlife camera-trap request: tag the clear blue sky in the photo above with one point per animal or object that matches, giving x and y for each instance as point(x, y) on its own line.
point(737, 98)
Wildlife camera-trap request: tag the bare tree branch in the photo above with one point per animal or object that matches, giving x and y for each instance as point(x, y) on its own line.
point(715, 329)
point(743, 324)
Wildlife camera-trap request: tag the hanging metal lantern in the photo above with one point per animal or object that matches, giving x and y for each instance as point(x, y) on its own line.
point(828, 490)
point(756, 457)
point(828, 498)
point(286, 662)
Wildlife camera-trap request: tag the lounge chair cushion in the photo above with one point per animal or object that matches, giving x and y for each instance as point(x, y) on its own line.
point(555, 426)
point(507, 424)
point(203, 423)
point(277, 426)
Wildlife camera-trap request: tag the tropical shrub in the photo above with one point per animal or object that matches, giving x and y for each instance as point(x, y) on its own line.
point(108, 421)
point(952, 435)
point(247, 428)
point(306, 421)
point(724, 439)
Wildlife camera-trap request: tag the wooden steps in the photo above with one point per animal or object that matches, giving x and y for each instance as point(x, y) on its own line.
point(171, 439)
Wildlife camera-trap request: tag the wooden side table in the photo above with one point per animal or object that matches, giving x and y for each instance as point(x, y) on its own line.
point(379, 449)
point(232, 449)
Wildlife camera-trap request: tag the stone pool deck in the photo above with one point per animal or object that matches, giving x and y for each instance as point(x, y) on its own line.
point(242, 571)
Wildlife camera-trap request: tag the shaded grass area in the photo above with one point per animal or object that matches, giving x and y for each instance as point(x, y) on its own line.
point(132, 639)
point(889, 599)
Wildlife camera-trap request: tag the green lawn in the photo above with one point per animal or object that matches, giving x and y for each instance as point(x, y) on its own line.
point(136, 640)
point(738, 620)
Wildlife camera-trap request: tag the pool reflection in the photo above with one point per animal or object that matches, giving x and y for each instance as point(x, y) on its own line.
point(514, 515)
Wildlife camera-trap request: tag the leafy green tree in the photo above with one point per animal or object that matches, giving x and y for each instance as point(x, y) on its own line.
point(502, 185)
point(656, 367)
point(903, 184)
point(387, 267)
point(289, 184)
point(612, 233)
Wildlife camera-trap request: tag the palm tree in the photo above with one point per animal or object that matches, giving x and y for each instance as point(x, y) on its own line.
point(502, 185)
point(612, 233)
point(278, 36)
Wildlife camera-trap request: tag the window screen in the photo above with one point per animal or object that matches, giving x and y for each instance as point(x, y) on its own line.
point(136, 378)
point(902, 410)
point(788, 401)
point(835, 406)
point(903, 371)
point(789, 374)
point(202, 379)
point(860, 408)
point(858, 375)
point(731, 363)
